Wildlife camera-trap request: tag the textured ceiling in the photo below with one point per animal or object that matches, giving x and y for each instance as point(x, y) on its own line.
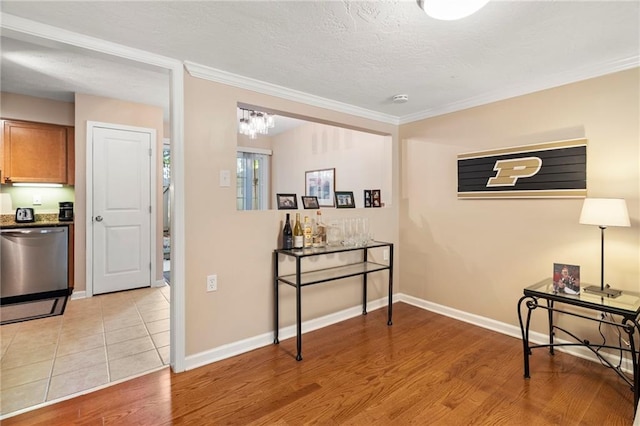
point(356, 53)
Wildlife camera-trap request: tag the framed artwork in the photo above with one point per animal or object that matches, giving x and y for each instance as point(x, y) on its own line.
point(321, 184)
point(376, 199)
point(344, 200)
point(367, 198)
point(566, 278)
point(287, 201)
point(310, 202)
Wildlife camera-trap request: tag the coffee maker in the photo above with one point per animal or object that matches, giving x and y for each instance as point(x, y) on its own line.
point(66, 211)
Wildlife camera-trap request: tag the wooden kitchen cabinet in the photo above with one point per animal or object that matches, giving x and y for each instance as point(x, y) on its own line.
point(37, 153)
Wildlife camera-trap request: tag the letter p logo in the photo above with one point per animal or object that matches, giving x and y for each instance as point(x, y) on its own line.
point(510, 170)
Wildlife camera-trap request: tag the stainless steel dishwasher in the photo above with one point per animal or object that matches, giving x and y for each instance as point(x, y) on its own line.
point(34, 261)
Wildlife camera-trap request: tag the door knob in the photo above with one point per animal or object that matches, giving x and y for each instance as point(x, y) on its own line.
point(98, 218)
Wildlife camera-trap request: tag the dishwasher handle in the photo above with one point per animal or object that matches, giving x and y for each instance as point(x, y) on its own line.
point(32, 231)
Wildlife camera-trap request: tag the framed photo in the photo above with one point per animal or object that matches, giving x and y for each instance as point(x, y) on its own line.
point(344, 200)
point(566, 278)
point(287, 201)
point(376, 199)
point(367, 198)
point(321, 184)
point(310, 202)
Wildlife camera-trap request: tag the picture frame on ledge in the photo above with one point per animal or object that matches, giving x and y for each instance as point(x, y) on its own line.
point(376, 198)
point(344, 200)
point(321, 184)
point(309, 202)
point(367, 198)
point(287, 201)
point(566, 278)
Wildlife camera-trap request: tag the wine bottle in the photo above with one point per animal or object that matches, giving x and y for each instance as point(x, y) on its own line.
point(287, 235)
point(298, 238)
point(307, 230)
point(320, 231)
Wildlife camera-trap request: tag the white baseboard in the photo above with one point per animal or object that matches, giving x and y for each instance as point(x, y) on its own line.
point(159, 283)
point(246, 345)
point(78, 295)
point(513, 331)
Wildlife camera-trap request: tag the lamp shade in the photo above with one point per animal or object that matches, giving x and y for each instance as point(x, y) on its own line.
point(449, 10)
point(604, 212)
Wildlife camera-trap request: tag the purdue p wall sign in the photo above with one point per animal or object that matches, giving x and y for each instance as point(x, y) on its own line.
point(547, 170)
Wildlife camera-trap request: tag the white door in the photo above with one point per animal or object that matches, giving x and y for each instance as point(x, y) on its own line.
point(121, 209)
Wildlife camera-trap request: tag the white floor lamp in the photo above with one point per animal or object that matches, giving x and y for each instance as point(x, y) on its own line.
point(604, 212)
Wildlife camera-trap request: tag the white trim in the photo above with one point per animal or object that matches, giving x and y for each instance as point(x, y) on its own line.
point(78, 295)
point(153, 138)
point(158, 283)
point(178, 303)
point(249, 344)
point(246, 345)
point(509, 330)
point(219, 76)
point(254, 150)
point(20, 27)
point(558, 80)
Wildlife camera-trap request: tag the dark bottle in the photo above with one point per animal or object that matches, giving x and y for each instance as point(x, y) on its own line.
point(287, 235)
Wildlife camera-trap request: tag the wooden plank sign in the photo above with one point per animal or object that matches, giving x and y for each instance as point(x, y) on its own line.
point(546, 170)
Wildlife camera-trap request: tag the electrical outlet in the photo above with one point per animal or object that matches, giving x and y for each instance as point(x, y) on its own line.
point(385, 254)
point(212, 282)
point(37, 200)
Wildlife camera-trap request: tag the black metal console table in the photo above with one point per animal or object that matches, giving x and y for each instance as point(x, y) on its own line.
point(627, 306)
point(302, 278)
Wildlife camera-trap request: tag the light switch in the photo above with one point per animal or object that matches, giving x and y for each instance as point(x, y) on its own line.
point(37, 200)
point(225, 178)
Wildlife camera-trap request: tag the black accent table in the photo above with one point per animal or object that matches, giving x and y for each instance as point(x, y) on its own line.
point(627, 306)
point(301, 278)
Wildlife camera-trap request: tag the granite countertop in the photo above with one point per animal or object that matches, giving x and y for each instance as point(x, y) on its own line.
point(42, 219)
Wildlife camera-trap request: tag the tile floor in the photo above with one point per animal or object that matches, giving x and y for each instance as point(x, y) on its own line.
point(96, 341)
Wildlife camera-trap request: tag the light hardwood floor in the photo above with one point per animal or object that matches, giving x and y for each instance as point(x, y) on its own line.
point(426, 369)
point(96, 341)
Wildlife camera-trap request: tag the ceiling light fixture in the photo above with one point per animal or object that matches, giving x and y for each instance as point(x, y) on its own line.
point(450, 10)
point(253, 123)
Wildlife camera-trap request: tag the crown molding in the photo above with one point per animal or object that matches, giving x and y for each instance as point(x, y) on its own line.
point(558, 80)
point(25, 29)
point(224, 77)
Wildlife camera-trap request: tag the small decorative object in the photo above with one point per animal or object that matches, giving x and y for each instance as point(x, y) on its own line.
point(376, 200)
point(367, 198)
point(566, 278)
point(344, 200)
point(287, 201)
point(310, 202)
point(321, 184)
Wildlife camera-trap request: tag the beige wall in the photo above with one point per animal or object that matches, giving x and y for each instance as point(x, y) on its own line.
point(94, 108)
point(361, 160)
point(20, 107)
point(238, 245)
point(477, 255)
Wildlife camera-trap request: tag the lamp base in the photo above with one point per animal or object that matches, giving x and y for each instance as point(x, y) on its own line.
point(608, 292)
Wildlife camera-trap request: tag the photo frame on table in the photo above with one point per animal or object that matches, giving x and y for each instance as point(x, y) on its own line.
point(566, 278)
point(344, 200)
point(310, 202)
point(287, 201)
point(321, 184)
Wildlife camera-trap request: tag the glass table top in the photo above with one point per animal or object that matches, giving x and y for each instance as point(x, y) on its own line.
point(628, 301)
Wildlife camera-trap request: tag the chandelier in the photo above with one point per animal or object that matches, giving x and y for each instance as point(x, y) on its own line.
point(254, 123)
